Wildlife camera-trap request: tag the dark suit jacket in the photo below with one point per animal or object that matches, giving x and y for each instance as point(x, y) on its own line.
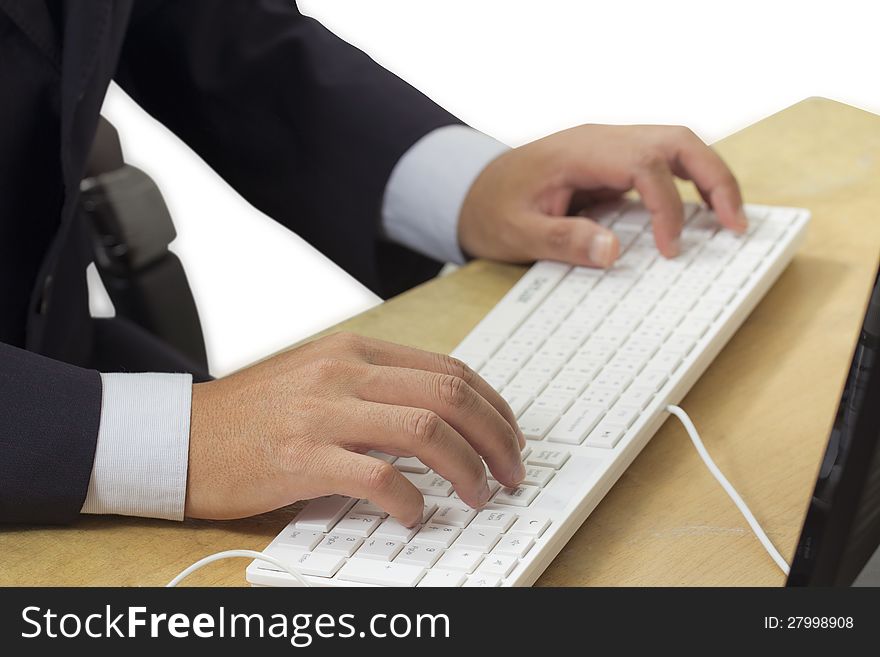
point(304, 126)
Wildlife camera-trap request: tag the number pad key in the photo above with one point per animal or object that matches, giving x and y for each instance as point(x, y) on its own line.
point(520, 496)
point(418, 554)
point(438, 534)
point(299, 539)
point(478, 538)
point(550, 458)
point(344, 544)
point(455, 516)
point(498, 564)
point(531, 526)
point(380, 549)
point(460, 559)
point(538, 476)
point(359, 524)
point(515, 544)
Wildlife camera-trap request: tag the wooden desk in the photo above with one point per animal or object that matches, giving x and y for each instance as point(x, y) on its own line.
point(764, 407)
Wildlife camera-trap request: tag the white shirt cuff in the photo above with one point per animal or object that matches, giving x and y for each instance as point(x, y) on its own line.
point(427, 188)
point(143, 446)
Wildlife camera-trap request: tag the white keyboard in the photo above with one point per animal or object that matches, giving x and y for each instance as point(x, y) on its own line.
point(588, 360)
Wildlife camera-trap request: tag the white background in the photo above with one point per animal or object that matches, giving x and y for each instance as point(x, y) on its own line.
point(515, 70)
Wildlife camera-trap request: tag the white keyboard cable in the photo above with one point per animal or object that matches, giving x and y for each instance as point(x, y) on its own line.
point(728, 488)
point(231, 554)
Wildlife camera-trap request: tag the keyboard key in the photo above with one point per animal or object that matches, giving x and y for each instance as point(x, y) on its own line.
point(497, 376)
point(515, 544)
point(623, 414)
point(460, 559)
point(681, 343)
point(518, 400)
point(299, 539)
point(538, 476)
point(531, 526)
point(430, 484)
point(634, 216)
point(551, 458)
point(638, 396)
point(365, 506)
point(455, 516)
point(541, 369)
point(411, 464)
point(319, 564)
point(667, 361)
point(645, 341)
point(483, 580)
point(566, 383)
point(472, 359)
point(558, 350)
point(535, 423)
point(522, 495)
point(322, 513)
point(721, 293)
point(380, 549)
point(613, 378)
point(439, 534)
point(392, 529)
point(606, 435)
point(482, 342)
point(630, 364)
point(553, 401)
point(429, 508)
point(626, 235)
point(491, 483)
point(586, 365)
point(691, 327)
point(344, 544)
point(577, 423)
point(498, 520)
point(419, 554)
point(652, 379)
point(478, 538)
point(437, 578)
point(370, 571)
point(598, 396)
point(498, 564)
point(527, 384)
point(359, 524)
point(514, 352)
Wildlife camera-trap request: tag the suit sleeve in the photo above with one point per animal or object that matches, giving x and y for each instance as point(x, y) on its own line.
point(306, 127)
point(49, 417)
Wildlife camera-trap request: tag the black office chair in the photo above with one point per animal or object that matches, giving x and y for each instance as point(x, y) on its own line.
point(132, 229)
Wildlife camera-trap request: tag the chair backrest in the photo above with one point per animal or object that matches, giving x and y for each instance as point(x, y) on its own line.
point(132, 228)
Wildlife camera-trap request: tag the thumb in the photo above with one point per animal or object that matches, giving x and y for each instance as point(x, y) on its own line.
point(574, 240)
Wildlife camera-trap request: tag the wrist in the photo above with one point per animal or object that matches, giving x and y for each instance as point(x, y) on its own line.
point(474, 231)
point(200, 427)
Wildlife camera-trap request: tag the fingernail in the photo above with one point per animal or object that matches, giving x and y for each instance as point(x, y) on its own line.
point(674, 247)
point(601, 249)
point(742, 222)
point(485, 494)
point(519, 472)
point(520, 436)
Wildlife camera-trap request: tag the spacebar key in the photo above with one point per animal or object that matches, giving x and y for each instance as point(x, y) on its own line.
point(371, 571)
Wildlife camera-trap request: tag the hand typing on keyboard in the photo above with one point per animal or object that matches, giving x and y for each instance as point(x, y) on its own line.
point(299, 425)
point(530, 203)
